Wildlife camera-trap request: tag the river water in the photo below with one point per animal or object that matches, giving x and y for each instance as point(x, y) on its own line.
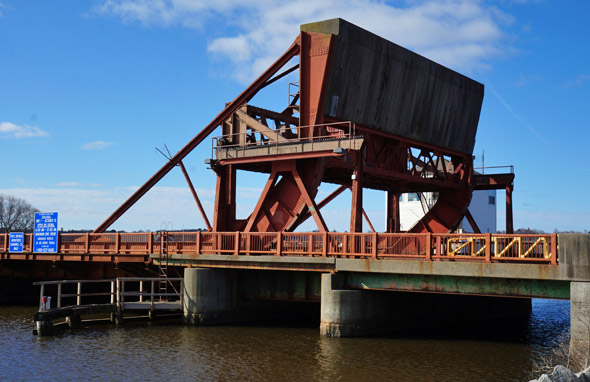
point(165, 351)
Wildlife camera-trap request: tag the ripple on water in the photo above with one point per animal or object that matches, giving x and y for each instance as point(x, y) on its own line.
point(245, 353)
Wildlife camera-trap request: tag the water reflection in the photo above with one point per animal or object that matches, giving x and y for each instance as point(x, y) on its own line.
point(161, 351)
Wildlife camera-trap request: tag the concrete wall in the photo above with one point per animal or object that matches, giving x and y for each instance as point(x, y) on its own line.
point(574, 256)
point(580, 325)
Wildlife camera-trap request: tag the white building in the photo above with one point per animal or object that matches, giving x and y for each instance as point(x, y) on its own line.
point(412, 207)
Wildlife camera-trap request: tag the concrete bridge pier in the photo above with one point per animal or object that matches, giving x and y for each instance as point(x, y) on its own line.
point(574, 265)
point(351, 313)
point(580, 325)
point(210, 296)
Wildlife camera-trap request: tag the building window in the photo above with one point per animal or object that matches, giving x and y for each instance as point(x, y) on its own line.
point(413, 197)
point(492, 197)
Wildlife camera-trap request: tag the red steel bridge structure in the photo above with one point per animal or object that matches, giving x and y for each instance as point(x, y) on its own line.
point(137, 247)
point(364, 114)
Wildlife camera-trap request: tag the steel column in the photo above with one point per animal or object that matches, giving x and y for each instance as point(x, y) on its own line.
point(225, 199)
point(392, 210)
point(356, 211)
point(509, 222)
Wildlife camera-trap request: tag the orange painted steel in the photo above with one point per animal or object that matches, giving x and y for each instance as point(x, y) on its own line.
point(135, 247)
point(322, 145)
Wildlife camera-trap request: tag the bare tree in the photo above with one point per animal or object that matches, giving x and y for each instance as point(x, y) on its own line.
point(16, 215)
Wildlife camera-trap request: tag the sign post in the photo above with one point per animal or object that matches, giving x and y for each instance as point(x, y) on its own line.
point(16, 241)
point(45, 232)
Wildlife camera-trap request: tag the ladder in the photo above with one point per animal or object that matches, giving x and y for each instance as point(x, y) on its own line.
point(163, 266)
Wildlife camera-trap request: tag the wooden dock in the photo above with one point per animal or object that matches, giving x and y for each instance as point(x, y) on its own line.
point(112, 298)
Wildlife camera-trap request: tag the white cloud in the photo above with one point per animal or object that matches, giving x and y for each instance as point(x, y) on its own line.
point(67, 184)
point(11, 130)
point(462, 34)
point(96, 145)
point(525, 80)
point(579, 81)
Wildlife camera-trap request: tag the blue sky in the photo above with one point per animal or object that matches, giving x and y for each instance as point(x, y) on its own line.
point(89, 88)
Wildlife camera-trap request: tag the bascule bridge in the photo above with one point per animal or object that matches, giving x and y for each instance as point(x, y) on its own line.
point(365, 113)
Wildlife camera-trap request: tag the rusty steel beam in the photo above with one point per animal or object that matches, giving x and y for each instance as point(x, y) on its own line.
point(278, 77)
point(244, 97)
point(472, 221)
point(278, 157)
point(492, 181)
point(195, 196)
point(254, 216)
point(323, 203)
point(313, 208)
point(411, 142)
point(368, 221)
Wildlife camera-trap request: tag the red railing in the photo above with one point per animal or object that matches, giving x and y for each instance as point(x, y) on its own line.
point(430, 247)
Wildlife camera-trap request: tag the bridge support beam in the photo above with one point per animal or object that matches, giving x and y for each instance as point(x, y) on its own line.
point(358, 312)
point(210, 296)
point(580, 325)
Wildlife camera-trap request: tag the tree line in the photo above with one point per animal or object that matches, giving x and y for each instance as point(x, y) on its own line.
point(16, 214)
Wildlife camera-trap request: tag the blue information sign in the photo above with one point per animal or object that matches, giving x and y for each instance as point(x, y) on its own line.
point(45, 232)
point(16, 241)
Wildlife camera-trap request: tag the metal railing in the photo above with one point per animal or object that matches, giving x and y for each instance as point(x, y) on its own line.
point(483, 168)
point(147, 290)
point(60, 293)
point(119, 291)
point(341, 131)
point(430, 247)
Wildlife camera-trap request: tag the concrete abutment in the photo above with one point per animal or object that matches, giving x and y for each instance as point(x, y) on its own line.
point(350, 313)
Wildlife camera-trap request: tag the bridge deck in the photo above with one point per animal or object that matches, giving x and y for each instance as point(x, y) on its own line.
point(137, 247)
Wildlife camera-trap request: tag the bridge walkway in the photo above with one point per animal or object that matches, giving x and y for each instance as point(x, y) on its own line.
point(139, 247)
